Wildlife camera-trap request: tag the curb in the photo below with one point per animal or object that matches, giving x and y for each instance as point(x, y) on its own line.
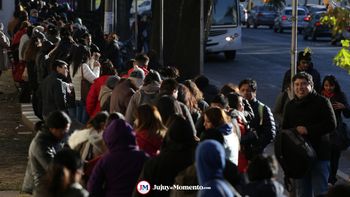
point(29, 119)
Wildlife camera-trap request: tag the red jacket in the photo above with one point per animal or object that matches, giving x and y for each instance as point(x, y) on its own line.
point(149, 144)
point(144, 68)
point(242, 160)
point(92, 102)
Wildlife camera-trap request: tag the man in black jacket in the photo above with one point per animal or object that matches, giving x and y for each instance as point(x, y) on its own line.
point(312, 116)
point(263, 122)
point(54, 90)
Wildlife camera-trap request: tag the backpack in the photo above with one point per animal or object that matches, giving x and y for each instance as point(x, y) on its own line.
point(294, 153)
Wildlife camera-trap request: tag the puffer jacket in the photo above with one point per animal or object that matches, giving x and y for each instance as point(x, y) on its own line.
point(42, 150)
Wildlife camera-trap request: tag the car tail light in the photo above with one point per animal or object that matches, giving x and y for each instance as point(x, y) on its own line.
point(260, 14)
point(317, 24)
point(307, 18)
point(284, 18)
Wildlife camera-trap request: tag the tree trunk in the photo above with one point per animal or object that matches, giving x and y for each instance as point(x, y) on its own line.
point(123, 16)
point(181, 35)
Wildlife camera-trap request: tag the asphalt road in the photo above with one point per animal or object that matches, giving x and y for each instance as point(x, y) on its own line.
point(265, 57)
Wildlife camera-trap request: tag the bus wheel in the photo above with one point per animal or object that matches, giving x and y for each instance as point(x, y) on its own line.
point(230, 55)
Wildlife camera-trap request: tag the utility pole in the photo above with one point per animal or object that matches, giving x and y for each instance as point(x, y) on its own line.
point(161, 36)
point(136, 25)
point(294, 46)
point(201, 37)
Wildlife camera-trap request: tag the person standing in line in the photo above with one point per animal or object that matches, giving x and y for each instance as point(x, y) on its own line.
point(54, 90)
point(4, 44)
point(263, 122)
point(84, 70)
point(305, 64)
point(46, 143)
point(331, 90)
point(312, 116)
point(63, 176)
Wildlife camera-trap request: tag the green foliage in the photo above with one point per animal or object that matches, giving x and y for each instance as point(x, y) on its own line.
point(342, 59)
point(339, 19)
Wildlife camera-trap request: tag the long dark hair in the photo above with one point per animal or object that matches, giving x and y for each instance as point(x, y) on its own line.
point(333, 81)
point(81, 55)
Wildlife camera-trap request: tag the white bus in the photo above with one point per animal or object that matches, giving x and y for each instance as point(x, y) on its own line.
point(226, 32)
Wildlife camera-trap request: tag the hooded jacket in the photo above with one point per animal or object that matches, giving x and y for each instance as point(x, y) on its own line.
point(117, 171)
point(140, 97)
point(210, 161)
point(231, 142)
point(121, 96)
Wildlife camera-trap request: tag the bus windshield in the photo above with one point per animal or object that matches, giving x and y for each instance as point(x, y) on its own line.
point(225, 12)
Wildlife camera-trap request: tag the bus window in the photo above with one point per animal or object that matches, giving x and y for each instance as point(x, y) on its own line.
point(225, 13)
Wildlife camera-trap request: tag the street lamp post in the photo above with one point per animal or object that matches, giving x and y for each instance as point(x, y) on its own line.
point(161, 35)
point(294, 43)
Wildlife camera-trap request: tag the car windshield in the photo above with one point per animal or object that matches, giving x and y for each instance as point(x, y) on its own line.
point(225, 12)
point(300, 12)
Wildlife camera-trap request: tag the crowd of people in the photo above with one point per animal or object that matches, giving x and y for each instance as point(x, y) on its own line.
point(108, 124)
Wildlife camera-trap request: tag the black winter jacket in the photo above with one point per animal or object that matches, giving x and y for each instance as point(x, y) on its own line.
point(314, 112)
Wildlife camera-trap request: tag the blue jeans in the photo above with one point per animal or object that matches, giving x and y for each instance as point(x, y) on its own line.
point(80, 114)
point(315, 182)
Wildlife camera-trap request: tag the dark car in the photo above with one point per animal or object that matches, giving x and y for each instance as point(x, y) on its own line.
point(261, 15)
point(315, 29)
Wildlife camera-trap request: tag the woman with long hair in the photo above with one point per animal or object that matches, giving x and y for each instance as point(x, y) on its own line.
point(197, 93)
point(149, 128)
point(215, 117)
point(186, 97)
point(84, 70)
point(331, 90)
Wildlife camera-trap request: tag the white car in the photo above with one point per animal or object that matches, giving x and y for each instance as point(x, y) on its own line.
point(284, 19)
point(142, 7)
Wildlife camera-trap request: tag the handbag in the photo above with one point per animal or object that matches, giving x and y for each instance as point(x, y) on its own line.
point(85, 86)
point(294, 153)
point(340, 137)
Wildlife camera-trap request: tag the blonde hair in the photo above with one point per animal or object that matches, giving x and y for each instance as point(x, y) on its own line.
point(217, 116)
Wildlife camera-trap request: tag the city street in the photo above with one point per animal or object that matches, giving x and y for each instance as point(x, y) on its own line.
point(265, 56)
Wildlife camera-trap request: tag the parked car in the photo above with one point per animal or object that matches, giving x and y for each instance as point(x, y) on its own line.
point(311, 8)
point(284, 19)
point(261, 15)
point(315, 29)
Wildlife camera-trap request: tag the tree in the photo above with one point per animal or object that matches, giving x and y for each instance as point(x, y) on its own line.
point(338, 18)
point(181, 34)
